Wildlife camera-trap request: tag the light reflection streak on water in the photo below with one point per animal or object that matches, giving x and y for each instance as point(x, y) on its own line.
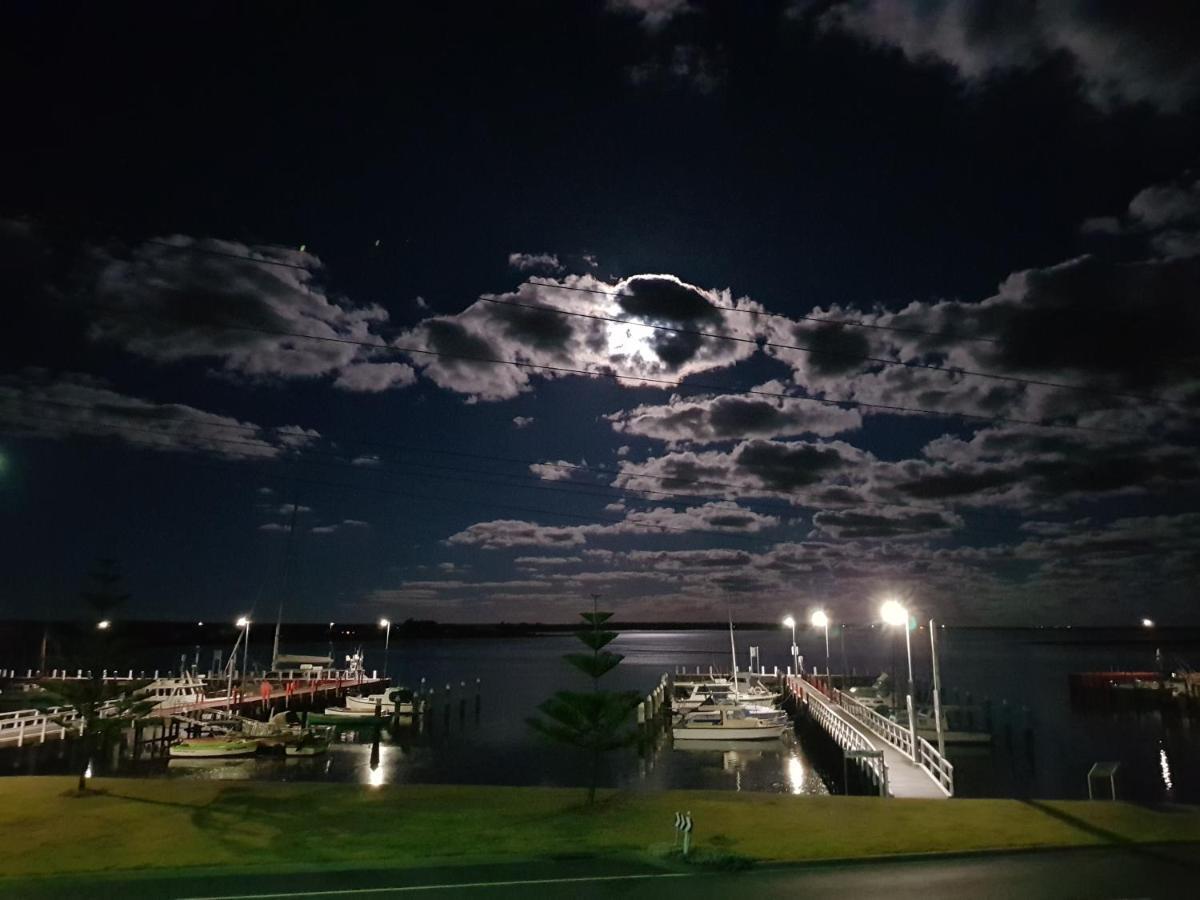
point(795, 774)
point(1165, 764)
point(377, 774)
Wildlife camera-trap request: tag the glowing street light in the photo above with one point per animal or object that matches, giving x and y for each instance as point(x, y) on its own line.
point(104, 625)
point(893, 613)
point(790, 622)
point(820, 620)
point(387, 639)
point(1147, 623)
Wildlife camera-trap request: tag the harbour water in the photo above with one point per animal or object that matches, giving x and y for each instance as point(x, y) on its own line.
point(1017, 680)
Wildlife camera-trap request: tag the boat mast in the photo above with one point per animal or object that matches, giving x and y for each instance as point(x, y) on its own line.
point(275, 649)
point(733, 656)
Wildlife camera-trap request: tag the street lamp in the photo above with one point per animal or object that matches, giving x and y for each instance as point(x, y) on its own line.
point(820, 620)
point(104, 625)
point(893, 613)
point(244, 622)
point(789, 622)
point(387, 639)
point(1147, 623)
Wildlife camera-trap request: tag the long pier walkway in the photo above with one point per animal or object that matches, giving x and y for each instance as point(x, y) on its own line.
point(863, 735)
point(24, 726)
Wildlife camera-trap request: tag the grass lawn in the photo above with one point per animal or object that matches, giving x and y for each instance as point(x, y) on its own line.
point(134, 823)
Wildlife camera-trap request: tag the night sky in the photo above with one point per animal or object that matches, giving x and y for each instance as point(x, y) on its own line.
point(813, 303)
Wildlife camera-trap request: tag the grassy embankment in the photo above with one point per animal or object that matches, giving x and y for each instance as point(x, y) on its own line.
point(135, 824)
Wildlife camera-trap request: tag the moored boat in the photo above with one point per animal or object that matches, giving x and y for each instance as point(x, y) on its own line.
point(726, 724)
point(340, 715)
point(395, 701)
point(213, 747)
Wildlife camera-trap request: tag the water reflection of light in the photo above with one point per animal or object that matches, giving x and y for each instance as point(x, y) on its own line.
point(1165, 765)
point(377, 774)
point(795, 775)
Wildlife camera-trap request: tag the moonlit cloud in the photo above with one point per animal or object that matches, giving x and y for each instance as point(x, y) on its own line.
point(653, 14)
point(535, 262)
point(535, 334)
point(711, 517)
point(184, 298)
point(1119, 54)
point(42, 404)
point(712, 419)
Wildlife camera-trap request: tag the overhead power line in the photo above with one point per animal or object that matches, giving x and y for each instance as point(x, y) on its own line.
point(606, 492)
point(643, 379)
point(849, 323)
point(948, 336)
point(729, 490)
point(949, 370)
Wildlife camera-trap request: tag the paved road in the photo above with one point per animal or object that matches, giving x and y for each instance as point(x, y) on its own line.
point(1168, 871)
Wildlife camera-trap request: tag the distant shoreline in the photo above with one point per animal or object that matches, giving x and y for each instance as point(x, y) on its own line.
point(193, 632)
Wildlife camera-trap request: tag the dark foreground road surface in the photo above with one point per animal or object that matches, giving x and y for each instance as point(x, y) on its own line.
point(1163, 871)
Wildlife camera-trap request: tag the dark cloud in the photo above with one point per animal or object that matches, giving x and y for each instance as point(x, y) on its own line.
point(184, 298)
point(785, 467)
point(1037, 468)
point(680, 65)
point(1130, 326)
point(1120, 53)
point(41, 404)
point(957, 482)
point(665, 299)
point(652, 14)
point(540, 328)
point(835, 349)
point(887, 523)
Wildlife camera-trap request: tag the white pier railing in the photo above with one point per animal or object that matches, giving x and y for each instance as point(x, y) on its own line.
point(940, 769)
point(23, 726)
point(849, 738)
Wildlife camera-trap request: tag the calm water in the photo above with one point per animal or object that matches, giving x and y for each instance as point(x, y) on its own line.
point(1043, 747)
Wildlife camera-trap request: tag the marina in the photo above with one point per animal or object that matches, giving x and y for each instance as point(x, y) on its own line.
point(475, 695)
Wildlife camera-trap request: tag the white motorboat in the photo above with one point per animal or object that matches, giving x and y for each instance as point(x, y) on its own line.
point(726, 724)
point(394, 701)
point(172, 693)
point(690, 697)
point(754, 710)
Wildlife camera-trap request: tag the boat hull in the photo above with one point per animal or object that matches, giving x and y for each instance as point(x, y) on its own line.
point(202, 749)
point(724, 733)
point(369, 704)
point(337, 715)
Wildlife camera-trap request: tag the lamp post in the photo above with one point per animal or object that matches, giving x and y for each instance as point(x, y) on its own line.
point(244, 623)
point(103, 625)
point(790, 622)
point(820, 620)
point(937, 687)
point(387, 639)
point(893, 613)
